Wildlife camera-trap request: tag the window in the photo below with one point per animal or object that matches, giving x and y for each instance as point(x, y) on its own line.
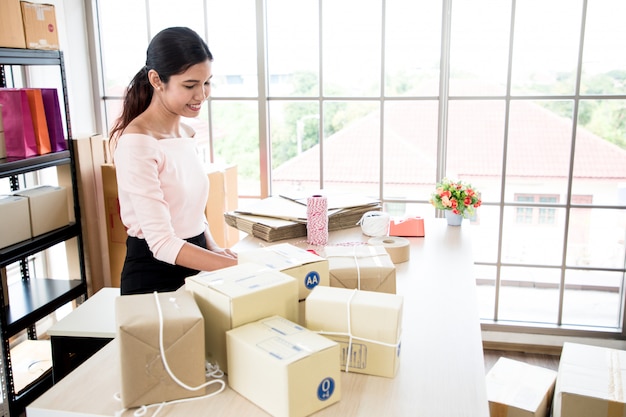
point(523, 99)
point(544, 215)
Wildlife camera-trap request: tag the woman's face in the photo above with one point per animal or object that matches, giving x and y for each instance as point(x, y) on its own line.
point(184, 93)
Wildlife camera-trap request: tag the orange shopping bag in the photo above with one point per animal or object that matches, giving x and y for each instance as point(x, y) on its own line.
point(38, 116)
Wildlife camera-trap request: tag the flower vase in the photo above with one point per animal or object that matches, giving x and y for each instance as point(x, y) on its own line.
point(453, 219)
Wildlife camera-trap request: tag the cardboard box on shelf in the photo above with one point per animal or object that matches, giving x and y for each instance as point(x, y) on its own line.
point(40, 26)
point(144, 378)
point(307, 268)
point(268, 366)
point(223, 197)
point(519, 389)
point(238, 295)
point(11, 26)
point(366, 324)
point(48, 206)
point(18, 229)
point(365, 267)
point(589, 382)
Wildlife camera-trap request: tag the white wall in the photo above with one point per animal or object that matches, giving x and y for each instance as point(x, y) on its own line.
point(73, 41)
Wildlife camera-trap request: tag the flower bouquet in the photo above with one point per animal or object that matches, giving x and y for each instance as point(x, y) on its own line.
point(458, 196)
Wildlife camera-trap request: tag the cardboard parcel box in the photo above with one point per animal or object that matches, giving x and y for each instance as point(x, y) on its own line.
point(48, 208)
point(15, 208)
point(11, 26)
point(283, 368)
point(234, 296)
point(373, 319)
point(591, 381)
point(144, 378)
point(307, 268)
point(40, 25)
point(518, 389)
point(366, 267)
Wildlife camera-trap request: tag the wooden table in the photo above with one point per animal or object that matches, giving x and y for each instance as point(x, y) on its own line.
point(442, 370)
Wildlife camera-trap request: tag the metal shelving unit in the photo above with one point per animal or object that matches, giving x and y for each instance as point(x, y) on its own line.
point(32, 299)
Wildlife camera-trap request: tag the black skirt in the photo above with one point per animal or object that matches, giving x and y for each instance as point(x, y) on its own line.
point(143, 273)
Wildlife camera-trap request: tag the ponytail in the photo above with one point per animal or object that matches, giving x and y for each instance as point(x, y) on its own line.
point(136, 101)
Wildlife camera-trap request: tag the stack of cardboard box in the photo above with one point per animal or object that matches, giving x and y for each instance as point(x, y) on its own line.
point(29, 25)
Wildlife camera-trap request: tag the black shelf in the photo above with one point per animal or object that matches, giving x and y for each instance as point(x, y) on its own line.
point(14, 56)
point(16, 166)
point(28, 247)
point(33, 299)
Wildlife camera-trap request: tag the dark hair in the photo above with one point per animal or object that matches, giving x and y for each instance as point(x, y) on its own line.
point(172, 51)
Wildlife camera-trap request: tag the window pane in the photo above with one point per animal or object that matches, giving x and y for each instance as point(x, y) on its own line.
point(605, 43)
point(295, 146)
point(352, 147)
point(596, 238)
point(236, 141)
point(123, 51)
point(293, 47)
point(351, 48)
point(232, 40)
point(485, 234)
point(529, 295)
point(535, 242)
point(592, 298)
point(538, 151)
point(600, 154)
point(412, 53)
point(479, 49)
point(188, 13)
point(485, 290)
point(475, 144)
point(545, 46)
point(410, 149)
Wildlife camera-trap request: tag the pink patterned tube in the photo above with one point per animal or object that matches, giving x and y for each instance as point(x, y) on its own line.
point(317, 220)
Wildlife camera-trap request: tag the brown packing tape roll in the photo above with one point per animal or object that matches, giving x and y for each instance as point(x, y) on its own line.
point(398, 248)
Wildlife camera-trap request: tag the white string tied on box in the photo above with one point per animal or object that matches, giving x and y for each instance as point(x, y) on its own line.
point(354, 255)
point(317, 220)
point(213, 371)
point(375, 223)
point(351, 337)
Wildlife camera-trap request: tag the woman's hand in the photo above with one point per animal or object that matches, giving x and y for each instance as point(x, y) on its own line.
point(225, 252)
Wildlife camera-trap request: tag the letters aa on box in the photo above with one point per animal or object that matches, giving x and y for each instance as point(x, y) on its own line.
point(283, 368)
point(144, 379)
point(364, 267)
point(307, 268)
point(366, 324)
point(237, 295)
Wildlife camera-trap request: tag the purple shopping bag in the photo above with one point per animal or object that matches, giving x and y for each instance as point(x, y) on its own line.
point(53, 118)
point(19, 135)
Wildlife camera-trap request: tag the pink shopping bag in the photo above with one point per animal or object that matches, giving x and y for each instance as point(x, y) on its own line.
point(19, 135)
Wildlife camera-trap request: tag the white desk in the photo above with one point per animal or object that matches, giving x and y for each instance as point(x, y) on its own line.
point(83, 332)
point(442, 371)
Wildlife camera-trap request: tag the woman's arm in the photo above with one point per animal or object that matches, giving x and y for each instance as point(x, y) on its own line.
point(195, 257)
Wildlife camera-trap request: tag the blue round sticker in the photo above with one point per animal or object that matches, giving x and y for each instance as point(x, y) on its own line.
point(325, 389)
point(311, 280)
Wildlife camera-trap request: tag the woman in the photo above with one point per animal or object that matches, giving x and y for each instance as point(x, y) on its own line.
point(162, 184)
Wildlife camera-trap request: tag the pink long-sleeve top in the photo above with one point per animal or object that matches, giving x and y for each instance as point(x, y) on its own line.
point(162, 190)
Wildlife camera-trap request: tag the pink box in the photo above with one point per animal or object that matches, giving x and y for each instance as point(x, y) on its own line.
point(409, 227)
